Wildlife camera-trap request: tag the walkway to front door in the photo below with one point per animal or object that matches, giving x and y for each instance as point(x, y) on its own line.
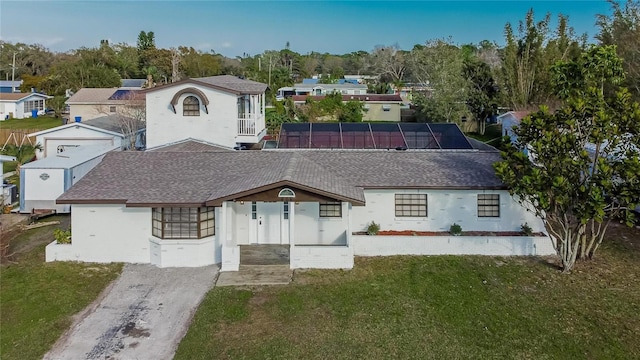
point(264, 255)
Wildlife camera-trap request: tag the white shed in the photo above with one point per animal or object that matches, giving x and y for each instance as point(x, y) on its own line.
point(104, 131)
point(43, 181)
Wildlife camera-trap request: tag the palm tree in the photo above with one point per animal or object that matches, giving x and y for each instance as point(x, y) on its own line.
point(23, 153)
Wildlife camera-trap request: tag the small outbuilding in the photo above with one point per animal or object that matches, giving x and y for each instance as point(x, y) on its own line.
point(42, 181)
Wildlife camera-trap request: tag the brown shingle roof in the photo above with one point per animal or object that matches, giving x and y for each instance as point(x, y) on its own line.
point(196, 178)
point(92, 95)
point(190, 145)
point(235, 83)
point(18, 96)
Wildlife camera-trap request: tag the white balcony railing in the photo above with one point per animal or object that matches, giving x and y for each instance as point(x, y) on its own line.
point(250, 124)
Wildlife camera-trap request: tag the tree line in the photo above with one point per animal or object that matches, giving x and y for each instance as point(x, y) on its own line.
point(467, 80)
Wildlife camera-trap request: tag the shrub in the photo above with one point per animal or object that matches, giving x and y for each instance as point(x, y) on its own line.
point(455, 229)
point(373, 228)
point(62, 236)
point(526, 229)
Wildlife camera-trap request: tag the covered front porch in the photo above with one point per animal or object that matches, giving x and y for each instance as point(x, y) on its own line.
point(286, 225)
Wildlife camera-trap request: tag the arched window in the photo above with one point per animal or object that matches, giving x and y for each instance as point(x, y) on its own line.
point(191, 106)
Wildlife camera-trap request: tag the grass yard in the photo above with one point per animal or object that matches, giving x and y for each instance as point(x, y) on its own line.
point(40, 123)
point(38, 299)
point(441, 307)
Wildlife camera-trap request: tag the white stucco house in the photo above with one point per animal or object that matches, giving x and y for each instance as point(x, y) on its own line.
point(103, 131)
point(225, 110)
point(193, 201)
point(22, 105)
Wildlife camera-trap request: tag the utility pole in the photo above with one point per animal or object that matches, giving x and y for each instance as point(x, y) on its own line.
point(13, 72)
point(269, 71)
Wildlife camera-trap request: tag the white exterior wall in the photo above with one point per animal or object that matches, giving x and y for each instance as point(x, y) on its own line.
point(321, 257)
point(87, 111)
point(73, 135)
point(107, 233)
point(218, 126)
point(444, 207)
point(7, 108)
point(311, 229)
point(364, 245)
point(42, 194)
point(185, 252)
point(376, 112)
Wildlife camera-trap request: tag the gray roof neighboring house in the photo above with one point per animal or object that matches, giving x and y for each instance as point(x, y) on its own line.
point(92, 96)
point(109, 124)
point(157, 178)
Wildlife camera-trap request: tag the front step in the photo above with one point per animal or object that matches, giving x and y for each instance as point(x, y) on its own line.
point(254, 275)
point(264, 255)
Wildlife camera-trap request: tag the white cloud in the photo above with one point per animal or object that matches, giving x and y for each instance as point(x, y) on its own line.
point(226, 44)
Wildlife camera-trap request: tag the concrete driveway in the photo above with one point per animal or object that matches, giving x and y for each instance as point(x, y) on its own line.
point(143, 315)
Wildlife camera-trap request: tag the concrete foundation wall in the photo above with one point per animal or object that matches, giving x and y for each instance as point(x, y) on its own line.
point(365, 245)
point(321, 257)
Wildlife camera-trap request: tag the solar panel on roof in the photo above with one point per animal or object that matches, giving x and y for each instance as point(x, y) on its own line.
point(372, 136)
point(121, 94)
point(357, 136)
point(418, 136)
point(387, 136)
point(325, 135)
point(449, 136)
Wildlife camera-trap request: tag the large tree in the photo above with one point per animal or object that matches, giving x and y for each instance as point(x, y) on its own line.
point(583, 167)
point(440, 64)
point(527, 56)
point(622, 28)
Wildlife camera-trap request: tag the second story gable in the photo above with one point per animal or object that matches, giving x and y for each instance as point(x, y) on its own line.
point(224, 110)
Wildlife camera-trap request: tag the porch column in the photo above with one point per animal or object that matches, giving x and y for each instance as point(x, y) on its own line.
point(229, 214)
point(223, 224)
point(292, 227)
point(346, 211)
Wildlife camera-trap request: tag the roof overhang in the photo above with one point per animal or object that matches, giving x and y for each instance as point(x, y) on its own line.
point(62, 127)
point(190, 81)
point(282, 184)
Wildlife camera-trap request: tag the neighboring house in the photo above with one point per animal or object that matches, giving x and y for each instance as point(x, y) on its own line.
point(376, 107)
point(43, 181)
point(105, 131)
point(321, 89)
point(22, 105)
point(90, 103)
point(510, 120)
point(225, 110)
point(8, 86)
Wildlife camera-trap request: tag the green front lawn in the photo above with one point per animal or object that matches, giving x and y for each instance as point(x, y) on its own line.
point(38, 299)
point(39, 123)
point(439, 307)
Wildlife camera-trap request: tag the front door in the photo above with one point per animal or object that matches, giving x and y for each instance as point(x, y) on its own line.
point(269, 215)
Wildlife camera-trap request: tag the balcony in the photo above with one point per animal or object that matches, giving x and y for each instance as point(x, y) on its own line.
point(251, 128)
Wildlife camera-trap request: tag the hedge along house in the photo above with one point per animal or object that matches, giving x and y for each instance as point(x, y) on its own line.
point(182, 208)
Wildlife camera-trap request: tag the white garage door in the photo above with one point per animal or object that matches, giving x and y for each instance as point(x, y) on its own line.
point(56, 146)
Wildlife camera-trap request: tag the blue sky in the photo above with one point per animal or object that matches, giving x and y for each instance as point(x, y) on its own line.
point(236, 27)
